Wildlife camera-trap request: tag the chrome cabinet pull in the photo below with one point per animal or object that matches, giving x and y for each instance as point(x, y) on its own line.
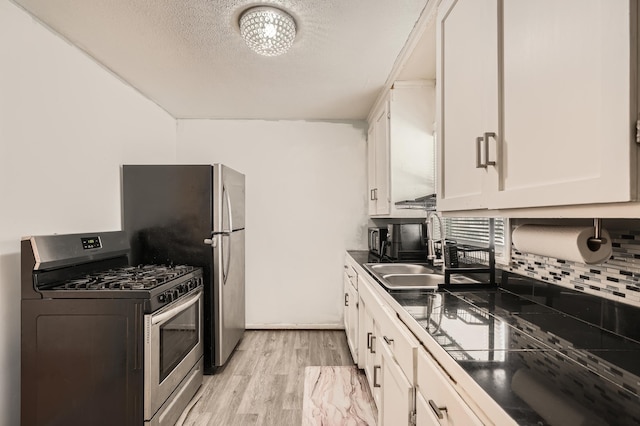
point(483, 142)
point(375, 377)
point(486, 137)
point(346, 299)
point(373, 344)
point(479, 163)
point(386, 339)
point(369, 336)
point(437, 410)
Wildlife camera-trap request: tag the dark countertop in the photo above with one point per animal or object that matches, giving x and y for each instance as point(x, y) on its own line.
point(545, 354)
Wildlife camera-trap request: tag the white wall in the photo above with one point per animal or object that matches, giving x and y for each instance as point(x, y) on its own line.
point(306, 204)
point(66, 126)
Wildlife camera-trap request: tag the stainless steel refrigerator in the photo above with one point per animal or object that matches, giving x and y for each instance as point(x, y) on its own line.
point(193, 214)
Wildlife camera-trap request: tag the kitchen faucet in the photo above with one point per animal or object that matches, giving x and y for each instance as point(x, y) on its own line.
point(431, 251)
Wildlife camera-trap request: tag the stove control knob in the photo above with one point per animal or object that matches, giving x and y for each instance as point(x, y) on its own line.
point(169, 296)
point(162, 298)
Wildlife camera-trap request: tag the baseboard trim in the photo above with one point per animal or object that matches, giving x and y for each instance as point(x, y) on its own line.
point(295, 327)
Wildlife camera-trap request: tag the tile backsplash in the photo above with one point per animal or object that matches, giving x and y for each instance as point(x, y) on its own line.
point(616, 279)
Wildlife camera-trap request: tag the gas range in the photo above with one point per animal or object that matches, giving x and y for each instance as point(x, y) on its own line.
point(160, 285)
point(126, 278)
point(66, 267)
point(96, 329)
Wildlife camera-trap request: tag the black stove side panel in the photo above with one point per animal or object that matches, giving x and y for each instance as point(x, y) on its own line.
point(82, 362)
point(167, 212)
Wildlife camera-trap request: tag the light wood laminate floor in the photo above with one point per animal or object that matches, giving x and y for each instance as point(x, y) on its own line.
point(263, 382)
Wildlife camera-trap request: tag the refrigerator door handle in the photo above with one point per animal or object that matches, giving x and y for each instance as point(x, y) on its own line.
point(227, 260)
point(226, 233)
point(225, 194)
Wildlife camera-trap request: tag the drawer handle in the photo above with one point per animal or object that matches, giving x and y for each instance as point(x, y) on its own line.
point(375, 376)
point(373, 344)
point(346, 299)
point(386, 339)
point(437, 410)
point(369, 335)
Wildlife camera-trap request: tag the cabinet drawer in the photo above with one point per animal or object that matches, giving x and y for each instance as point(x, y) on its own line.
point(351, 275)
point(443, 400)
point(365, 291)
point(401, 343)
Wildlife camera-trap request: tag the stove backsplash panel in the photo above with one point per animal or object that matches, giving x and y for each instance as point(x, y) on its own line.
point(617, 279)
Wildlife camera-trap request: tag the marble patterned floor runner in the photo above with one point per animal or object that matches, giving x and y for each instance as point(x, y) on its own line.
point(336, 396)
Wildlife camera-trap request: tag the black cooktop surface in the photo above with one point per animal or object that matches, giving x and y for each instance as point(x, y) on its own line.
point(125, 278)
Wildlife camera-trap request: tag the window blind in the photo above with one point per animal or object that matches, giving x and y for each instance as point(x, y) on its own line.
point(475, 231)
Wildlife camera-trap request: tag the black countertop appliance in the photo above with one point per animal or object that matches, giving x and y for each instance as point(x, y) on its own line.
point(406, 242)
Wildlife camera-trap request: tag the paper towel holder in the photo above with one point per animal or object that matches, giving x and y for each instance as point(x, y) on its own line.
point(594, 243)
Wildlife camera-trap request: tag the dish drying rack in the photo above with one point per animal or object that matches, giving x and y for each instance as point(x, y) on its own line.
point(471, 258)
point(427, 203)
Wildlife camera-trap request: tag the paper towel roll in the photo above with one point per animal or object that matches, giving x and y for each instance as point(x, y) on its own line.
point(561, 242)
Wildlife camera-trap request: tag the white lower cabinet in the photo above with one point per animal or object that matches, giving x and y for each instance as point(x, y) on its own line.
point(396, 406)
point(369, 359)
point(425, 416)
point(350, 281)
point(412, 379)
point(437, 402)
point(389, 360)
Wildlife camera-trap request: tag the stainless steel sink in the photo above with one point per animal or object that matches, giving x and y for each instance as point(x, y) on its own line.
point(412, 281)
point(400, 268)
point(405, 276)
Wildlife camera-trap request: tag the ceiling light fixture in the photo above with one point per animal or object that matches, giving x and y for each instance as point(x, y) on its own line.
point(267, 30)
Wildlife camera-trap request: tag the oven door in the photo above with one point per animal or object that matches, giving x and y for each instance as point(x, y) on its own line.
point(172, 347)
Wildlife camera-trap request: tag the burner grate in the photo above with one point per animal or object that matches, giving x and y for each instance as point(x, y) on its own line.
point(142, 277)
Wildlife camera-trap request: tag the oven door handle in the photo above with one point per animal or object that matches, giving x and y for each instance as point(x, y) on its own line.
point(170, 313)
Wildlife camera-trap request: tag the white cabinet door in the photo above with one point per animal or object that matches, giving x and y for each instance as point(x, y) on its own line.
point(425, 416)
point(371, 169)
point(382, 161)
point(540, 95)
point(351, 311)
point(567, 135)
point(378, 162)
point(442, 399)
point(369, 357)
point(397, 392)
point(467, 90)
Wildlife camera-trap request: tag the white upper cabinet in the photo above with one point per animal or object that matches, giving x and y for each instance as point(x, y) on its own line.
point(467, 79)
point(401, 149)
point(537, 103)
point(378, 162)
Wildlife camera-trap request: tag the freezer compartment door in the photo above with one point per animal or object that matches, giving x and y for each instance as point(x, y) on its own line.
point(229, 294)
point(228, 209)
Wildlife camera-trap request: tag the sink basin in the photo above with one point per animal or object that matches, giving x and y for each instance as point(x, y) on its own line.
point(405, 276)
point(412, 281)
point(400, 268)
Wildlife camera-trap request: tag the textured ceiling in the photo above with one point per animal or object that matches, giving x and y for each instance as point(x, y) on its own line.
point(188, 57)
